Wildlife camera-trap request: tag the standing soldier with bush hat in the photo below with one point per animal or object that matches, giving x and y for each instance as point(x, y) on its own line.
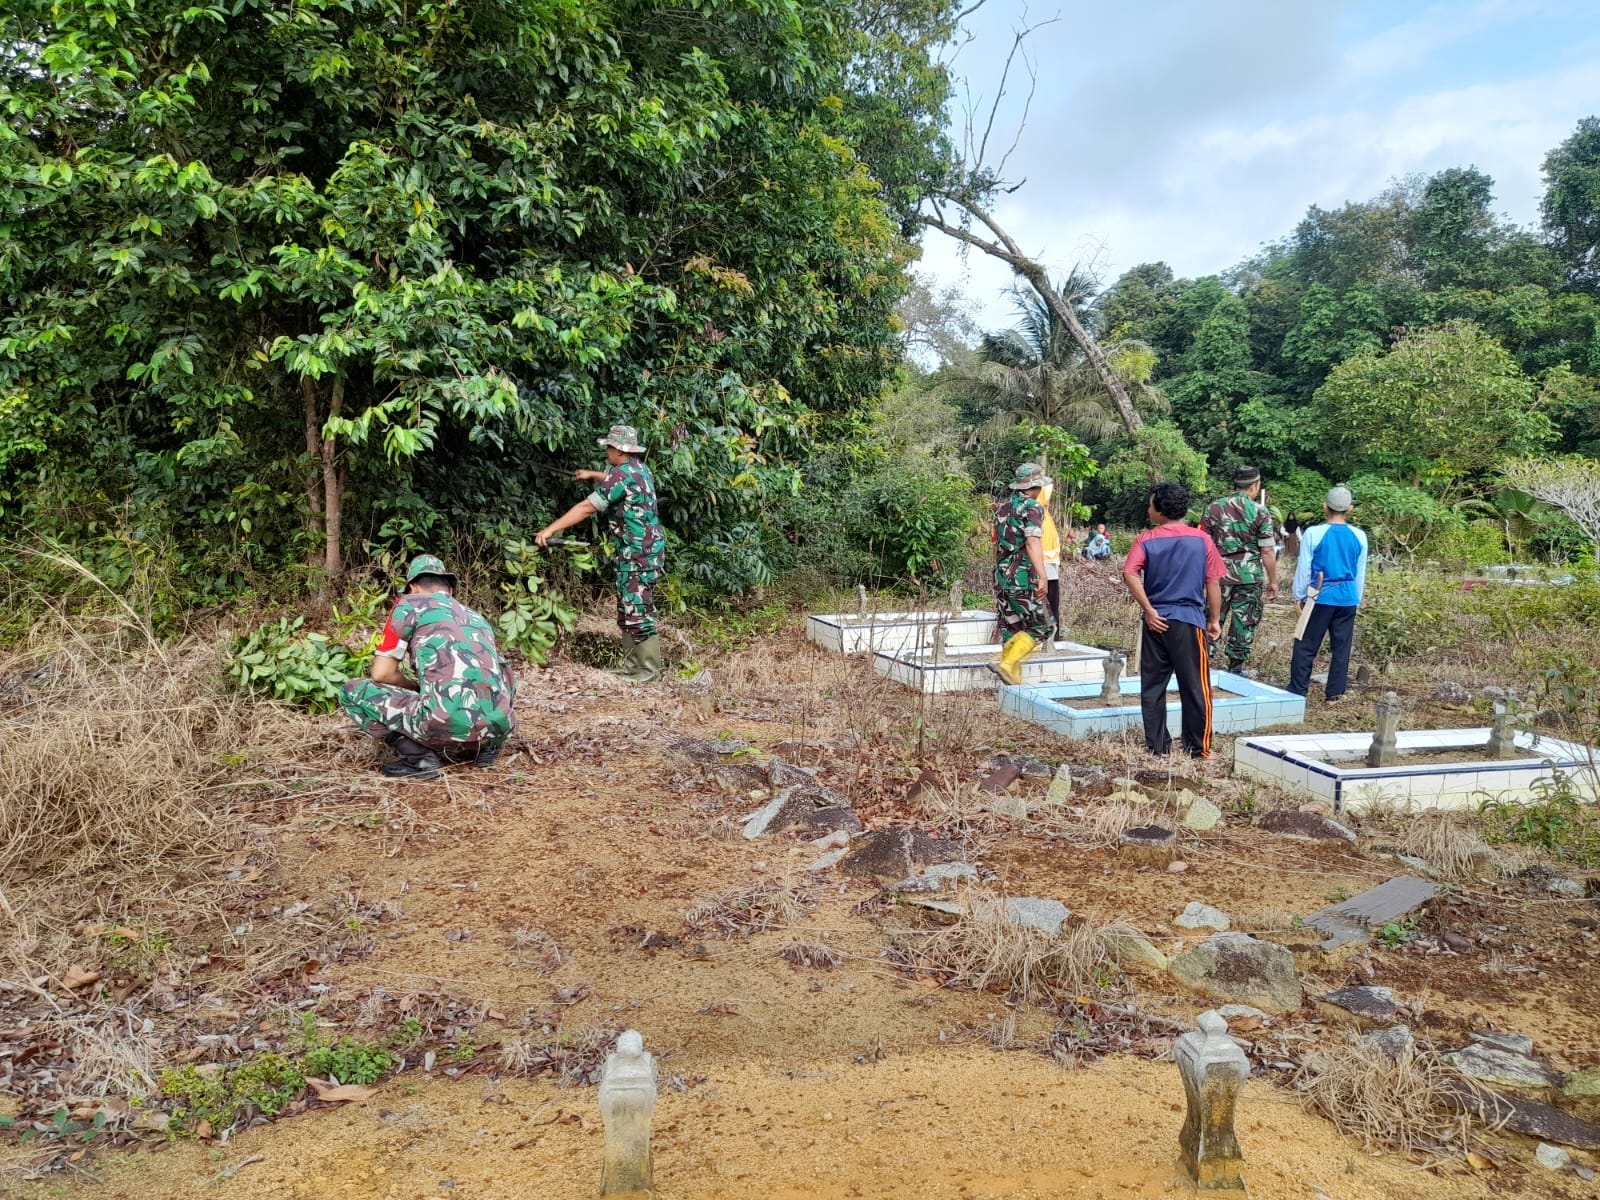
point(627, 495)
point(1241, 526)
point(1020, 586)
point(463, 691)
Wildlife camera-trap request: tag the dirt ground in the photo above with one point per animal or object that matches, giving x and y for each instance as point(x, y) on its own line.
point(543, 901)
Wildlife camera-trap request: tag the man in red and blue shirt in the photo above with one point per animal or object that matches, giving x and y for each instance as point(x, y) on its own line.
point(1175, 571)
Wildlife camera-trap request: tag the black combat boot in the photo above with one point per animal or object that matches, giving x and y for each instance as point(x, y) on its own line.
point(415, 760)
point(487, 753)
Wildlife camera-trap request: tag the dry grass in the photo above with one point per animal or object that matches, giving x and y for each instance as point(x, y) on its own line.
point(741, 911)
point(1448, 844)
point(986, 950)
point(1410, 1103)
point(811, 954)
point(1100, 825)
point(124, 760)
point(537, 949)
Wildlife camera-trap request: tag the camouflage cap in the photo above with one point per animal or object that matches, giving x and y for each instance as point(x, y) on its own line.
point(428, 564)
point(1030, 475)
point(624, 438)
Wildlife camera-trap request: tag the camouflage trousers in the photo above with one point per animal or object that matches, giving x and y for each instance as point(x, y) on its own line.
point(458, 716)
point(1242, 606)
point(1022, 610)
point(636, 603)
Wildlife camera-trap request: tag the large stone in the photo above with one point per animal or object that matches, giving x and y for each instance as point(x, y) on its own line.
point(1091, 781)
point(1505, 1068)
point(1307, 826)
point(1033, 912)
point(1511, 1043)
point(937, 878)
point(1149, 843)
point(1354, 919)
point(1366, 1005)
point(1165, 780)
point(1131, 950)
point(1584, 1084)
point(1451, 692)
point(1531, 1117)
point(784, 774)
point(1000, 778)
point(717, 750)
point(895, 853)
point(1202, 916)
point(1012, 808)
point(1201, 815)
point(1396, 1041)
point(1236, 968)
point(1029, 768)
point(1060, 787)
point(807, 807)
point(1569, 889)
point(1552, 1158)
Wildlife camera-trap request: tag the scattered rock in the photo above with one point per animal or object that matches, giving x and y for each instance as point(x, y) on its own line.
point(782, 774)
point(1374, 1004)
point(1451, 692)
point(1353, 919)
point(1552, 1158)
point(1395, 1041)
point(831, 841)
point(948, 908)
point(895, 853)
point(1177, 867)
point(951, 871)
point(937, 878)
point(1032, 912)
point(1131, 950)
point(1090, 781)
point(1570, 889)
point(1060, 787)
point(1028, 768)
point(1582, 1084)
point(828, 861)
point(1307, 826)
point(1457, 942)
point(999, 779)
point(1202, 916)
point(1511, 1043)
point(1153, 843)
point(1238, 1012)
point(714, 751)
point(1013, 808)
point(738, 778)
point(1238, 969)
point(1202, 815)
point(1531, 1117)
point(812, 807)
point(1507, 1068)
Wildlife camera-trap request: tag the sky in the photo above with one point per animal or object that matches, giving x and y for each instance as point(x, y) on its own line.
point(1195, 131)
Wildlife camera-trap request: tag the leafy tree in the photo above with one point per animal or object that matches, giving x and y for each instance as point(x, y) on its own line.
point(1451, 229)
point(1570, 484)
point(1399, 516)
point(1155, 453)
point(1441, 408)
point(1571, 205)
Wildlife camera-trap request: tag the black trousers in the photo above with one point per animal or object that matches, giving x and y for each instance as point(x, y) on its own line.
point(1180, 651)
point(1336, 622)
point(1053, 603)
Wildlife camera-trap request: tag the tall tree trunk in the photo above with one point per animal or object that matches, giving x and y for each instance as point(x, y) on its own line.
point(308, 393)
point(332, 488)
point(1005, 249)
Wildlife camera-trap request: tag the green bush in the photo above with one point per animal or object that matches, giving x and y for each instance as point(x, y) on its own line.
point(1474, 545)
point(532, 616)
point(283, 661)
point(269, 1083)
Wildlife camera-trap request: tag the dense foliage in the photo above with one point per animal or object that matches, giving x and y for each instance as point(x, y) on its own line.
point(279, 279)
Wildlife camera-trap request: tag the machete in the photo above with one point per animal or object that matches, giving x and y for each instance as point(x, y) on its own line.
point(1305, 611)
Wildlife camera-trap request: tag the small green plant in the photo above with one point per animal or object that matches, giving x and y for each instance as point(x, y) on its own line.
point(1338, 896)
point(1396, 933)
point(534, 617)
point(1558, 821)
point(217, 1096)
point(465, 1048)
point(349, 1060)
point(285, 662)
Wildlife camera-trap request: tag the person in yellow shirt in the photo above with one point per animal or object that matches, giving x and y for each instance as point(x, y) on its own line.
point(1050, 545)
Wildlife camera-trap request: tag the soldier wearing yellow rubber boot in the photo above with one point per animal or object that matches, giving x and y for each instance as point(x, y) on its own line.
point(1020, 586)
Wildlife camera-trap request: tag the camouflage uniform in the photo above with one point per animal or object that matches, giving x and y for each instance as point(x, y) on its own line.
point(1018, 607)
point(627, 497)
point(465, 690)
point(1240, 527)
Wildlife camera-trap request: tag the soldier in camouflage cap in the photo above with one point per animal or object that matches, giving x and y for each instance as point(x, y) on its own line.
point(1241, 526)
point(463, 691)
point(626, 494)
point(1020, 586)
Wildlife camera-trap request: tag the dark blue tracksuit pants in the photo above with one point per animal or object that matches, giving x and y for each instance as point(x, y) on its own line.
point(1336, 622)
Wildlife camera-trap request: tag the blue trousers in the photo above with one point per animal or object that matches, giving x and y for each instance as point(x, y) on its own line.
point(1336, 622)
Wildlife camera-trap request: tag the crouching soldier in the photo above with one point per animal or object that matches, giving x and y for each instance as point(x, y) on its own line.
point(460, 701)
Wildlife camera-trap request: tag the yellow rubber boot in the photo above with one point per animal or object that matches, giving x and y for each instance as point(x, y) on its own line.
point(1017, 648)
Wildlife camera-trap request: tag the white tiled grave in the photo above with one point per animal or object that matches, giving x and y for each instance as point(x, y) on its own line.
point(896, 632)
point(1252, 705)
point(965, 668)
point(1333, 766)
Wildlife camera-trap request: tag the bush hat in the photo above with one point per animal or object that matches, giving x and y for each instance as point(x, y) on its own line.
point(1030, 475)
point(1339, 499)
point(427, 564)
point(624, 438)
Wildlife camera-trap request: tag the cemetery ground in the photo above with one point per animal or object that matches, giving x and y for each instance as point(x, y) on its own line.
point(450, 960)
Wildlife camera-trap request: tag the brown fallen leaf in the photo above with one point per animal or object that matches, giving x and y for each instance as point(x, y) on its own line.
point(1478, 1162)
point(77, 977)
point(202, 1129)
point(343, 1093)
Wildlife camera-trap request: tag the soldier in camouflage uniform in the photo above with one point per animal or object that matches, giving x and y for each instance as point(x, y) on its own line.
point(463, 692)
point(627, 496)
point(1020, 585)
point(1241, 526)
